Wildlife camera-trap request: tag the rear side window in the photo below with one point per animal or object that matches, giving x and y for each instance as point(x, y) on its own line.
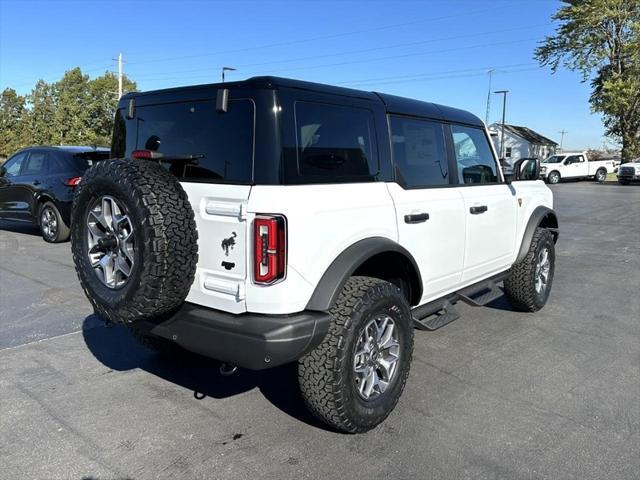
point(419, 152)
point(335, 143)
point(36, 164)
point(222, 141)
point(473, 156)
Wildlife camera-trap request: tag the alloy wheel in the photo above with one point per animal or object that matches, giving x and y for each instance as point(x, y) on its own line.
point(49, 223)
point(375, 362)
point(543, 269)
point(110, 242)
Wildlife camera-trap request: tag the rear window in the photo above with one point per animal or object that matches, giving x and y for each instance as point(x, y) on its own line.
point(222, 141)
point(334, 143)
point(82, 161)
point(419, 152)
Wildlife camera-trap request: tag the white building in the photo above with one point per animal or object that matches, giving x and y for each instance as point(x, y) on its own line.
point(521, 142)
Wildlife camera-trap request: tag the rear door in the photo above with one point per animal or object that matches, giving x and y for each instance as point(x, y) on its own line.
point(490, 205)
point(429, 213)
point(217, 182)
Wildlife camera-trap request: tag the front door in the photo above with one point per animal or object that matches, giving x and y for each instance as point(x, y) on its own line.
point(577, 166)
point(490, 205)
point(430, 216)
point(13, 196)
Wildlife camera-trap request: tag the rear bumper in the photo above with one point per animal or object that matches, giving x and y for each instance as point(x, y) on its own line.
point(251, 341)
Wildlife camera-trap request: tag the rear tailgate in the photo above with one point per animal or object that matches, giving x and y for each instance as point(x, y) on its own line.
point(211, 153)
point(220, 212)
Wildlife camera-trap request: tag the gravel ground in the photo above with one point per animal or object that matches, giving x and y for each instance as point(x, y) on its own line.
point(495, 394)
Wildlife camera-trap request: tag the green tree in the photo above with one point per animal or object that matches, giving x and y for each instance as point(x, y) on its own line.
point(40, 124)
point(12, 114)
point(601, 40)
point(72, 100)
point(102, 108)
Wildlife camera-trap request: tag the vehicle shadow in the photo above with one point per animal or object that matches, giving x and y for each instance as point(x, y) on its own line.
point(116, 348)
point(20, 227)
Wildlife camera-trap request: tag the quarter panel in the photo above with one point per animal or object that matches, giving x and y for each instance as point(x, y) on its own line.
point(322, 221)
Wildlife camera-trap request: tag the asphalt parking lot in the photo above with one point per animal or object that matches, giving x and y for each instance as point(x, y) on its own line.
point(495, 394)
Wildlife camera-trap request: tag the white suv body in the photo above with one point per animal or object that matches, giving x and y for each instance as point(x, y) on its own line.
point(270, 221)
point(453, 249)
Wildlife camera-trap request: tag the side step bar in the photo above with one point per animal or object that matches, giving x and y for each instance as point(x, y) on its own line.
point(438, 313)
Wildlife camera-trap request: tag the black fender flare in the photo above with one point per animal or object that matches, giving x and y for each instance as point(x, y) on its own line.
point(331, 284)
point(541, 216)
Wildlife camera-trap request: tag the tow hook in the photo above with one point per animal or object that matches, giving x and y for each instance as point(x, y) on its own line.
point(226, 369)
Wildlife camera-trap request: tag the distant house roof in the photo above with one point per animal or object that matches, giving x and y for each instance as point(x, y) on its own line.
point(525, 133)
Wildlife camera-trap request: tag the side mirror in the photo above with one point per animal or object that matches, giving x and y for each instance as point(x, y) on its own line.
point(3, 171)
point(526, 169)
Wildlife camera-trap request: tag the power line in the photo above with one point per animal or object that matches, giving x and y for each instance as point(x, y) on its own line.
point(353, 62)
point(446, 73)
point(349, 52)
point(323, 37)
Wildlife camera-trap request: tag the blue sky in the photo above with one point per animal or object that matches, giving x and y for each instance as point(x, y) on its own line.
point(431, 50)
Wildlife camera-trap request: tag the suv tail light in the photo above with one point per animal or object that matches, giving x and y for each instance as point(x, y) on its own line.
point(72, 182)
point(269, 232)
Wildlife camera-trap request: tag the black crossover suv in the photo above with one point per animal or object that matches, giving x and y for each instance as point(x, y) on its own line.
point(37, 183)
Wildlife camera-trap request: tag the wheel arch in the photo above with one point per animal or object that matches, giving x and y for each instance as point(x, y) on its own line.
point(41, 199)
point(376, 257)
point(543, 217)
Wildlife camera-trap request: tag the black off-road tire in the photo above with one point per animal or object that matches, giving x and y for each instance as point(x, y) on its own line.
point(326, 375)
point(554, 178)
point(602, 173)
point(520, 284)
point(165, 239)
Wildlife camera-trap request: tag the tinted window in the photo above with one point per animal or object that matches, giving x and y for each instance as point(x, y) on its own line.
point(335, 143)
point(574, 159)
point(473, 155)
point(418, 152)
point(12, 166)
point(223, 140)
point(82, 161)
point(36, 164)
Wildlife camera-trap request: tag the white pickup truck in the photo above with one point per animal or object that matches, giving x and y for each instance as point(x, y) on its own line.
point(575, 165)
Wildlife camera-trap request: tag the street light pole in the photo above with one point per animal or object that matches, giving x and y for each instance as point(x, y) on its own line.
point(504, 112)
point(227, 69)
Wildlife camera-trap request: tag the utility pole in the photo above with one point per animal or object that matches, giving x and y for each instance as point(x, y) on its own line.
point(504, 111)
point(119, 75)
point(562, 133)
point(486, 118)
point(227, 69)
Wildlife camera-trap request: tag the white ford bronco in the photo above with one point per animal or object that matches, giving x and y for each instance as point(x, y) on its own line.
point(272, 221)
point(575, 165)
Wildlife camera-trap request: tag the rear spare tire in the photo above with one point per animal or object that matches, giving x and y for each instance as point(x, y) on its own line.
point(133, 239)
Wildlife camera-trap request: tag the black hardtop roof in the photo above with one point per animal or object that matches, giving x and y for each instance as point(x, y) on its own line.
point(393, 104)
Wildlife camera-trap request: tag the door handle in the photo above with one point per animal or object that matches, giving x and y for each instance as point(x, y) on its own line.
point(36, 182)
point(416, 218)
point(478, 210)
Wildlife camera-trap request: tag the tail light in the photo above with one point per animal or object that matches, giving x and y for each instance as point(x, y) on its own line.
point(269, 248)
point(72, 182)
point(146, 155)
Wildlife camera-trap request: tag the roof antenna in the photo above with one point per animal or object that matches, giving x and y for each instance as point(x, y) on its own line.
point(227, 69)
